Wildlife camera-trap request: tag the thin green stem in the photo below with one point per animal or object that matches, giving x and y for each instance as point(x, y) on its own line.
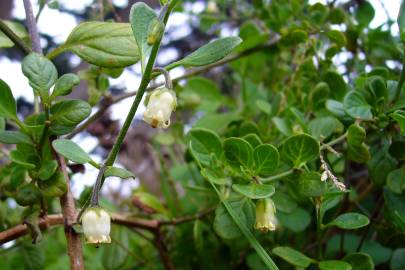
point(277, 176)
point(401, 80)
point(127, 123)
point(58, 50)
point(14, 38)
point(333, 142)
point(319, 228)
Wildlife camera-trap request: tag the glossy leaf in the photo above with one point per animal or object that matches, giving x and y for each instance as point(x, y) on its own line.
point(356, 106)
point(65, 84)
point(203, 144)
point(47, 169)
point(399, 116)
point(334, 265)
point(238, 153)
point(14, 137)
point(360, 261)
point(18, 29)
point(66, 114)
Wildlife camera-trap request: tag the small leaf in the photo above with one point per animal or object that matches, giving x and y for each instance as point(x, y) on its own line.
point(14, 137)
point(18, 29)
point(28, 195)
point(292, 256)
point(310, 184)
point(41, 73)
point(47, 169)
point(215, 175)
point(350, 221)
point(209, 53)
point(323, 127)
point(8, 107)
point(54, 187)
point(119, 172)
point(334, 265)
point(264, 106)
point(203, 143)
point(266, 159)
point(360, 261)
point(141, 16)
point(356, 106)
point(337, 83)
point(297, 221)
point(65, 84)
point(254, 191)
point(399, 116)
point(238, 152)
point(19, 158)
point(365, 13)
point(337, 37)
point(71, 151)
point(104, 44)
point(252, 139)
point(67, 114)
point(150, 201)
point(398, 259)
point(300, 149)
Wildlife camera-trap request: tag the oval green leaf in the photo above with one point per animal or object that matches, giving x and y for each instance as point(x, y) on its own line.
point(334, 265)
point(292, 256)
point(300, 149)
point(238, 153)
point(350, 221)
point(356, 106)
point(14, 137)
point(254, 191)
point(71, 151)
point(204, 143)
point(266, 159)
point(118, 172)
point(8, 107)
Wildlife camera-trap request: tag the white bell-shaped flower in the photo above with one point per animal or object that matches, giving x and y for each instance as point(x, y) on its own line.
point(96, 223)
point(265, 215)
point(162, 102)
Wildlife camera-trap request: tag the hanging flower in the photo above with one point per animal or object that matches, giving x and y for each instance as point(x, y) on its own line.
point(212, 7)
point(265, 215)
point(162, 102)
point(96, 223)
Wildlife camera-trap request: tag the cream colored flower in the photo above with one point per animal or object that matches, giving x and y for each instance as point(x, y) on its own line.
point(265, 215)
point(212, 7)
point(96, 223)
point(162, 102)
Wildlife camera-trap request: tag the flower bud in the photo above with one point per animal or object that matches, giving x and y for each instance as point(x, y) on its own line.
point(155, 31)
point(159, 108)
point(265, 215)
point(96, 223)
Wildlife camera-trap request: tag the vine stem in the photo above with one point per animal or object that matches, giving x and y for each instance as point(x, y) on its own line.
point(134, 107)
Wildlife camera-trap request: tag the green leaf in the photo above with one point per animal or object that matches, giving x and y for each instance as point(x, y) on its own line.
point(284, 203)
point(67, 114)
point(334, 265)
point(47, 169)
point(103, 44)
point(28, 195)
point(399, 116)
point(252, 139)
point(360, 261)
point(293, 256)
point(297, 220)
point(14, 137)
point(398, 259)
point(18, 29)
point(216, 122)
point(401, 21)
point(65, 84)
point(264, 106)
point(41, 73)
point(356, 134)
point(336, 83)
point(141, 16)
point(323, 127)
point(300, 149)
point(215, 175)
point(32, 256)
point(8, 107)
point(337, 37)
point(335, 107)
point(115, 255)
point(396, 180)
point(119, 172)
point(150, 201)
point(55, 186)
point(238, 153)
point(357, 150)
point(224, 225)
point(356, 106)
point(2, 124)
point(254, 191)
point(71, 151)
point(395, 209)
point(310, 184)
point(350, 221)
point(365, 13)
point(266, 159)
point(209, 53)
point(19, 158)
point(203, 144)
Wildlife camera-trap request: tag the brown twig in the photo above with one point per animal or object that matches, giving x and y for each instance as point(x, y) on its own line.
point(163, 252)
point(32, 27)
point(185, 219)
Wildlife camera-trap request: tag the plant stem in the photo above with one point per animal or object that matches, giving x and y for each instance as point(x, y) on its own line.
point(14, 38)
point(58, 50)
point(127, 123)
point(32, 27)
point(319, 228)
point(277, 176)
point(168, 81)
point(401, 80)
point(333, 142)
